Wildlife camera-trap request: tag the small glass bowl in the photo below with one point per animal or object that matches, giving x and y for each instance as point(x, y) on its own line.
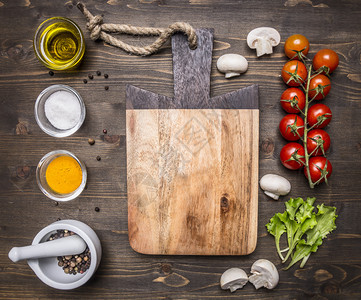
point(60, 25)
point(43, 121)
point(41, 176)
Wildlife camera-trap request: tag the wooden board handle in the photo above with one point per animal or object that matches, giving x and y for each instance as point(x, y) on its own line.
point(192, 69)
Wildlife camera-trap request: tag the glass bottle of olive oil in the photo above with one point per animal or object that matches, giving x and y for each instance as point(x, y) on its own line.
point(60, 44)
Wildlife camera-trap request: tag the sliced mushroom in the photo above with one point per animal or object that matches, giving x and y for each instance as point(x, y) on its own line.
point(265, 274)
point(233, 279)
point(263, 39)
point(232, 65)
point(275, 186)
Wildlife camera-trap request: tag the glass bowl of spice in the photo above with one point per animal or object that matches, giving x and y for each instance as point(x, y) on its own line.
point(61, 176)
point(59, 110)
point(59, 44)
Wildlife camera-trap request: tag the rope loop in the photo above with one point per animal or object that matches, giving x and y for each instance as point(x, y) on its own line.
point(98, 30)
point(94, 26)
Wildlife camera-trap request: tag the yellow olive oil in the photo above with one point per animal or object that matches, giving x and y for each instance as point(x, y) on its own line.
point(61, 45)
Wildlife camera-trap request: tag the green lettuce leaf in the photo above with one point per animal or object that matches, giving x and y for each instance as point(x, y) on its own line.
point(304, 250)
point(325, 223)
point(291, 226)
point(292, 206)
point(325, 217)
point(305, 229)
point(276, 228)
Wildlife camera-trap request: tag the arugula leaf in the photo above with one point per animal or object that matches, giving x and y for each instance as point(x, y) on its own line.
point(276, 228)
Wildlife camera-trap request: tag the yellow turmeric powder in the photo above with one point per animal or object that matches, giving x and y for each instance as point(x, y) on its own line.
point(64, 175)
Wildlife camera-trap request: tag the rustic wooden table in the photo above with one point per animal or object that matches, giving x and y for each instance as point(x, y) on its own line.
point(333, 272)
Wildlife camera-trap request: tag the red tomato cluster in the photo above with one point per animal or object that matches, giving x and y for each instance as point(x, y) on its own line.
point(316, 141)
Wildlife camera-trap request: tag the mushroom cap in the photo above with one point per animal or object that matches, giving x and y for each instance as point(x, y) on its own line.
point(275, 184)
point(232, 63)
point(233, 279)
point(269, 33)
point(265, 274)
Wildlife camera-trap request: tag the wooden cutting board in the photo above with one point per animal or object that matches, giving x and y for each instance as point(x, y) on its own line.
point(192, 162)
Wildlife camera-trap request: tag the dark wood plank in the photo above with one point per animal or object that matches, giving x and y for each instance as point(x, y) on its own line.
point(192, 69)
point(332, 273)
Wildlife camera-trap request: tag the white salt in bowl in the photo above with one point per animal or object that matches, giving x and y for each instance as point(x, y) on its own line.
point(59, 110)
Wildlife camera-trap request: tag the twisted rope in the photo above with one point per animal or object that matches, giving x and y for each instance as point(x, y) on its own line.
point(98, 30)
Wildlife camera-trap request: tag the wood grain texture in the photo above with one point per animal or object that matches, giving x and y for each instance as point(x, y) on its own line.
point(332, 273)
point(192, 174)
point(192, 69)
point(192, 181)
point(246, 98)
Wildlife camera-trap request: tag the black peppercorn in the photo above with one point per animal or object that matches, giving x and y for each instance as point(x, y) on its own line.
point(97, 209)
point(72, 264)
point(90, 76)
point(98, 158)
point(106, 88)
point(51, 73)
point(85, 81)
point(106, 75)
point(99, 73)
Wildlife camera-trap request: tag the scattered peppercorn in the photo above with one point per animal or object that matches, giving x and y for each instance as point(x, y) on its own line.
point(106, 75)
point(99, 73)
point(56, 203)
point(97, 209)
point(90, 76)
point(51, 73)
point(105, 131)
point(85, 81)
point(91, 141)
point(98, 158)
point(106, 88)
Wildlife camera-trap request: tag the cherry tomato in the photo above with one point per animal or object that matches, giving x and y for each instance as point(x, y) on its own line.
point(293, 100)
point(320, 85)
point(327, 59)
point(296, 46)
point(292, 156)
point(320, 138)
point(319, 113)
point(315, 163)
point(294, 73)
point(290, 125)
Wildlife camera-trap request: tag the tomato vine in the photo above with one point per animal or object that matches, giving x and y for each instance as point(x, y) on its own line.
point(315, 85)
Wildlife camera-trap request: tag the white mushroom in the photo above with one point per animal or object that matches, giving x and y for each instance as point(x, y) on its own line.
point(265, 274)
point(233, 279)
point(232, 65)
point(263, 39)
point(275, 186)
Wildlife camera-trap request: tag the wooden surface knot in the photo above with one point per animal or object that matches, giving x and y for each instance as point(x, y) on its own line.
point(23, 172)
point(224, 204)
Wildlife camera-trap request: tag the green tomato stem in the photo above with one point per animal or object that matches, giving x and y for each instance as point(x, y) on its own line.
point(306, 130)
